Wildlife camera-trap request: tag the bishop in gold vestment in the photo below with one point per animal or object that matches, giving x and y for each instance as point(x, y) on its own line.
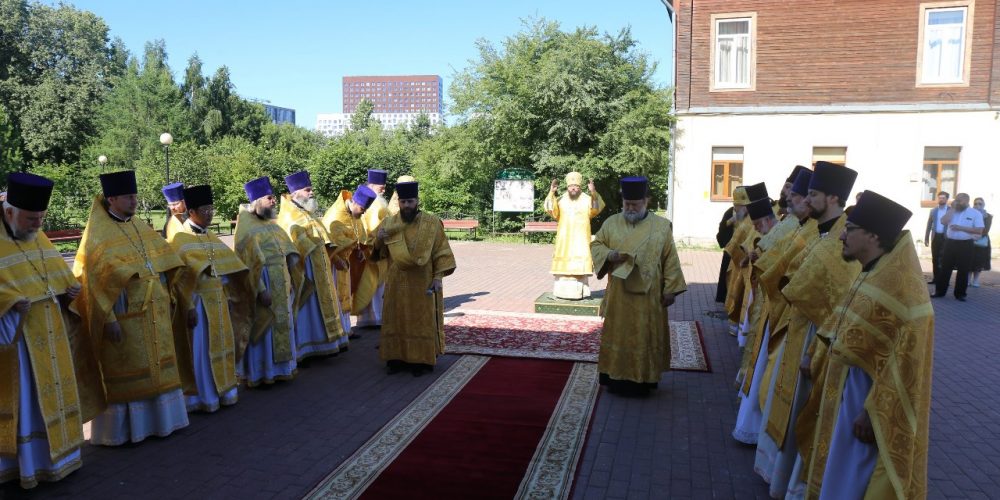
point(636, 250)
point(41, 413)
point(352, 249)
point(571, 261)
point(419, 257)
point(871, 436)
point(125, 268)
point(212, 281)
point(274, 277)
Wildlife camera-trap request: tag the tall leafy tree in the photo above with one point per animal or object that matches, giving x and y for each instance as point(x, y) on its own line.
point(556, 101)
point(55, 66)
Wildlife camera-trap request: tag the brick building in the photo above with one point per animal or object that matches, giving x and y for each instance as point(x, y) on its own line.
point(398, 101)
point(906, 92)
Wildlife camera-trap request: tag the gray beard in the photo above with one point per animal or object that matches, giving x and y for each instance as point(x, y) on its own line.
point(633, 217)
point(307, 204)
point(265, 212)
point(23, 235)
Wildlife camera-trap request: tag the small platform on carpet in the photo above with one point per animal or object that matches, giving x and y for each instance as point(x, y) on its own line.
point(552, 336)
point(547, 303)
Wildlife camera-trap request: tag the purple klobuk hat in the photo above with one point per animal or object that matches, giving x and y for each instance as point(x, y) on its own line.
point(297, 181)
point(258, 188)
point(174, 192)
point(363, 196)
point(801, 184)
point(376, 176)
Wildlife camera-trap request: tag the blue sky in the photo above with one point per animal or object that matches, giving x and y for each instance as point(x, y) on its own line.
point(293, 53)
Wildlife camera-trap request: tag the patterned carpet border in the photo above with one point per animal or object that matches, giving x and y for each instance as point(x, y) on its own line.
point(571, 338)
point(352, 477)
point(553, 468)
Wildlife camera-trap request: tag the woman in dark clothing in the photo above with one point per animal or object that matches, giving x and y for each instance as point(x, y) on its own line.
point(725, 234)
point(981, 250)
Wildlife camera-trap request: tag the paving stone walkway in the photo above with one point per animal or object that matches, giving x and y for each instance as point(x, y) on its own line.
point(280, 441)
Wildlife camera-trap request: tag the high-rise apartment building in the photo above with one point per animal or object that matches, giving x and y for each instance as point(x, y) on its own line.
point(398, 101)
point(395, 94)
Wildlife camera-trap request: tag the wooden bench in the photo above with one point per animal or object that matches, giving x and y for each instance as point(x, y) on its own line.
point(64, 235)
point(470, 226)
point(534, 227)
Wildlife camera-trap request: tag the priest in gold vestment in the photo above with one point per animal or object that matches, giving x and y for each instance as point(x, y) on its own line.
point(734, 284)
point(41, 413)
point(352, 249)
point(366, 296)
point(274, 277)
point(176, 209)
point(571, 261)
point(318, 327)
point(635, 249)
point(774, 458)
point(125, 268)
point(813, 290)
point(211, 282)
point(419, 257)
point(871, 436)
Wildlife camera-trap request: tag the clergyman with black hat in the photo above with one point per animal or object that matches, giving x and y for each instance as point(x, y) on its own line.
point(779, 398)
point(871, 437)
point(318, 327)
point(366, 297)
point(213, 278)
point(36, 286)
point(571, 261)
point(735, 284)
point(274, 276)
point(635, 249)
point(755, 328)
point(813, 291)
point(742, 266)
point(419, 257)
point(126, 269)
point(344, 221)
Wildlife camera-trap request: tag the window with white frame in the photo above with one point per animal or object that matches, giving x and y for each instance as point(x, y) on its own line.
point(945, 33)
point(733, 51)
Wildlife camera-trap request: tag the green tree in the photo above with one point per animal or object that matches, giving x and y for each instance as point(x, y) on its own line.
point(558, 101)
point(10, 146)
point(362, 119)
point(55, 62)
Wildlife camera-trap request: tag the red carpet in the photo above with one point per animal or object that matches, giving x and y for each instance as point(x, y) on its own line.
point(481, 443)
point(487, 428)
point(553, 336)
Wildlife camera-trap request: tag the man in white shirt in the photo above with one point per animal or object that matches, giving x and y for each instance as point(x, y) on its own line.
point(964, 225)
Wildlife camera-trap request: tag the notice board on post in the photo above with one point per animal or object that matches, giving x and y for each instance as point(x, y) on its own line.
point(513, 195)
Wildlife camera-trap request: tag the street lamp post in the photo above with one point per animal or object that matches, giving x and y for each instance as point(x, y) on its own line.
point(166, 139)
point(103, 160)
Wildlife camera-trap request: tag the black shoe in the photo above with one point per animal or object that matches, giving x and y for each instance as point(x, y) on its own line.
point(931, 282)
point(961, 299)
point(937, 295)
point(354, 336)
point(394, 366)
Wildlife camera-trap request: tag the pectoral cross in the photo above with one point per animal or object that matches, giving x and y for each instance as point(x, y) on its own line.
point(149, 265)
point(214, 273)
point(52, 294)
